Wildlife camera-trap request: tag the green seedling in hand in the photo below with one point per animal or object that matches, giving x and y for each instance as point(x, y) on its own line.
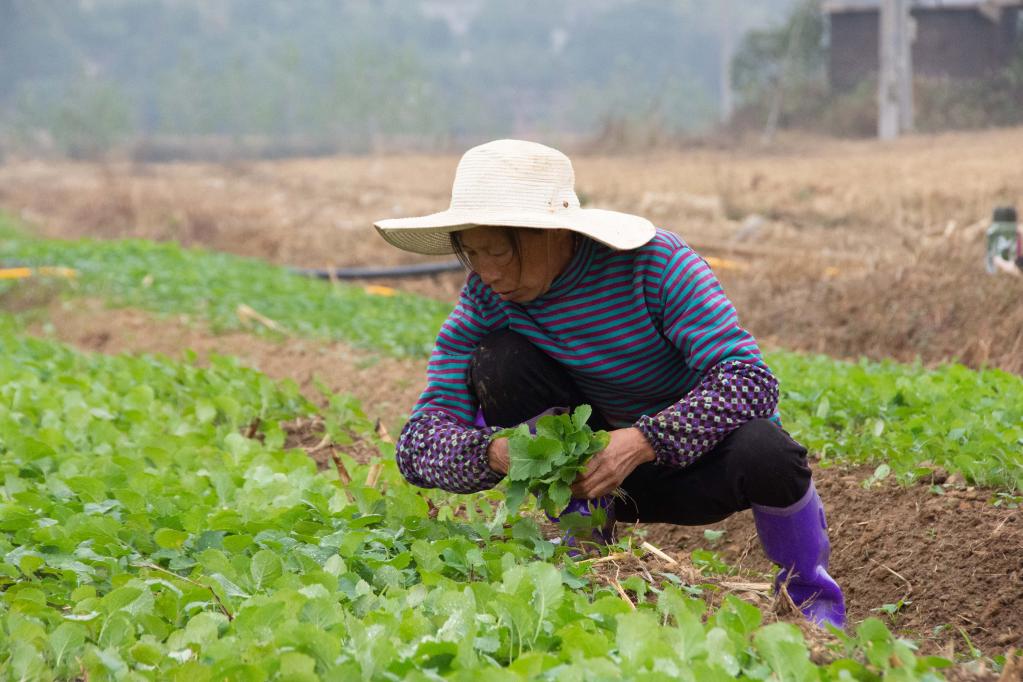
point(548, 463)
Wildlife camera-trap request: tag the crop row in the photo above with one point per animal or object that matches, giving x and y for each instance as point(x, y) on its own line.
point(902, 417)
point(154, 526)
point(211, 286)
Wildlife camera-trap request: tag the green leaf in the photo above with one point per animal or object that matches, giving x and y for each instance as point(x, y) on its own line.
point(30, 563)
point(581, 416)
point(559, 495)
point(118, 629)
point(738, 616)
point(533, 664)
point(877, 641)
point(598, 442)
point(785, 651)
point(530, 458)
point(516, 494)
point(230, 588)
point(713, 536)
point(548, 590)
point(298, 666)
point(205, 412)
point(266, 567)
point(168, 538)
point(550, 461)
point(823, 408)
point(65, 643)
point(543, 449)
point(146, 653)
point(582, 641)
point(639, 639)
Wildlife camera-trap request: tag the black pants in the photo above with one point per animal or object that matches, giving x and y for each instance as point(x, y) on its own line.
point(757, 463)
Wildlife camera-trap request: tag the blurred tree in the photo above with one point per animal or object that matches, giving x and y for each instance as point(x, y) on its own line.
point(349, 73)
point(92, 118)
point(787, 56)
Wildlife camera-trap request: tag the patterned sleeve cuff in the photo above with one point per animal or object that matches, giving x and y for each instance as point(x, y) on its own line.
point(729, 395)
point(655, 431)
point(435, 450)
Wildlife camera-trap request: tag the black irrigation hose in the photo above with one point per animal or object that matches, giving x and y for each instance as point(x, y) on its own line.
point(380, 273)
point(419, 270)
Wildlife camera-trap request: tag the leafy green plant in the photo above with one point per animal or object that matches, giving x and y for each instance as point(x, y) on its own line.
point(548, 463)
point(900, 416)
point(154, 526)
point(880, 474)
point(891, 414)
point(892, 609)
point(873, 652)
point(1008, 500)
point(709, 562)
point(230, 293)
point(713, 536)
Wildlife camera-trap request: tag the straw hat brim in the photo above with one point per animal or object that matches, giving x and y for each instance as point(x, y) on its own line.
point(429, 234)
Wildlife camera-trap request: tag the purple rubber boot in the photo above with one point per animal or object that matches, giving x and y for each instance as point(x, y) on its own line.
point(796, 538)
point(605, 535)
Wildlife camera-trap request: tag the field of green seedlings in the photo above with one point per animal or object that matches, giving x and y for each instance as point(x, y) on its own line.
point(144, 537)
point(964, 420)
point(154, 525)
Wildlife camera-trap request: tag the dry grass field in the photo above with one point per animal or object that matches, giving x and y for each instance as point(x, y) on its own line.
point(846, 248)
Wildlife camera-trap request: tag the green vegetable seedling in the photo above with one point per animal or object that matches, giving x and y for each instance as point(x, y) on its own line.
point(547, 464)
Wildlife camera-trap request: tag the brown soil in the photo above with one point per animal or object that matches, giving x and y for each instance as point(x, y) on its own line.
point(954, 559)
point(849, 248)
point(311, 436)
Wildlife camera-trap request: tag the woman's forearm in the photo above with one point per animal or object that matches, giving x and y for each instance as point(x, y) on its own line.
point(729, 395)
point(435, 450)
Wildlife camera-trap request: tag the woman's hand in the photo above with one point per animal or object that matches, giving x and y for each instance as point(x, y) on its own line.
point(497, 454)
point(608, 468)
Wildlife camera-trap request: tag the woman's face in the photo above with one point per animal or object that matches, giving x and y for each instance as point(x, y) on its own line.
point(543, 255)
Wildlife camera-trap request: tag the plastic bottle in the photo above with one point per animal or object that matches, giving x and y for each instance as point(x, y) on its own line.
point(1002, 237)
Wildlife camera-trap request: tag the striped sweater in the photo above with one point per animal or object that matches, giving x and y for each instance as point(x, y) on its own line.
point(648, 335)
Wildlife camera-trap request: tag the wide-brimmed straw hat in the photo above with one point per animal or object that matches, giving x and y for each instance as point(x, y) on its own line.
point(515, 184)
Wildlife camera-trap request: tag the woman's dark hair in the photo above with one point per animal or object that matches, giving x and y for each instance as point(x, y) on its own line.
point(513, 238)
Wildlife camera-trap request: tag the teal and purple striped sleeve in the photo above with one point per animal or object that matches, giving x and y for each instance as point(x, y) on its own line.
point(735, 385)
point(439, 446)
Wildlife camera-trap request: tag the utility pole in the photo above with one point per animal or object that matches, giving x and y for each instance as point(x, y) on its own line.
point(907, 36)
point(895, 83)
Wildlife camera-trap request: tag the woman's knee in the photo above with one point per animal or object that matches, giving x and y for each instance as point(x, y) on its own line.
point(502, 351)
point(503, 360)
point(514, 380)
point(771, 466)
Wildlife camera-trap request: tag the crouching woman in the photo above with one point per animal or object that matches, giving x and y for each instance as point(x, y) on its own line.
point(565, 306)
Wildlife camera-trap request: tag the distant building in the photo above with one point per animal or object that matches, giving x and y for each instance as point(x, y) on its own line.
point(954, 38)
